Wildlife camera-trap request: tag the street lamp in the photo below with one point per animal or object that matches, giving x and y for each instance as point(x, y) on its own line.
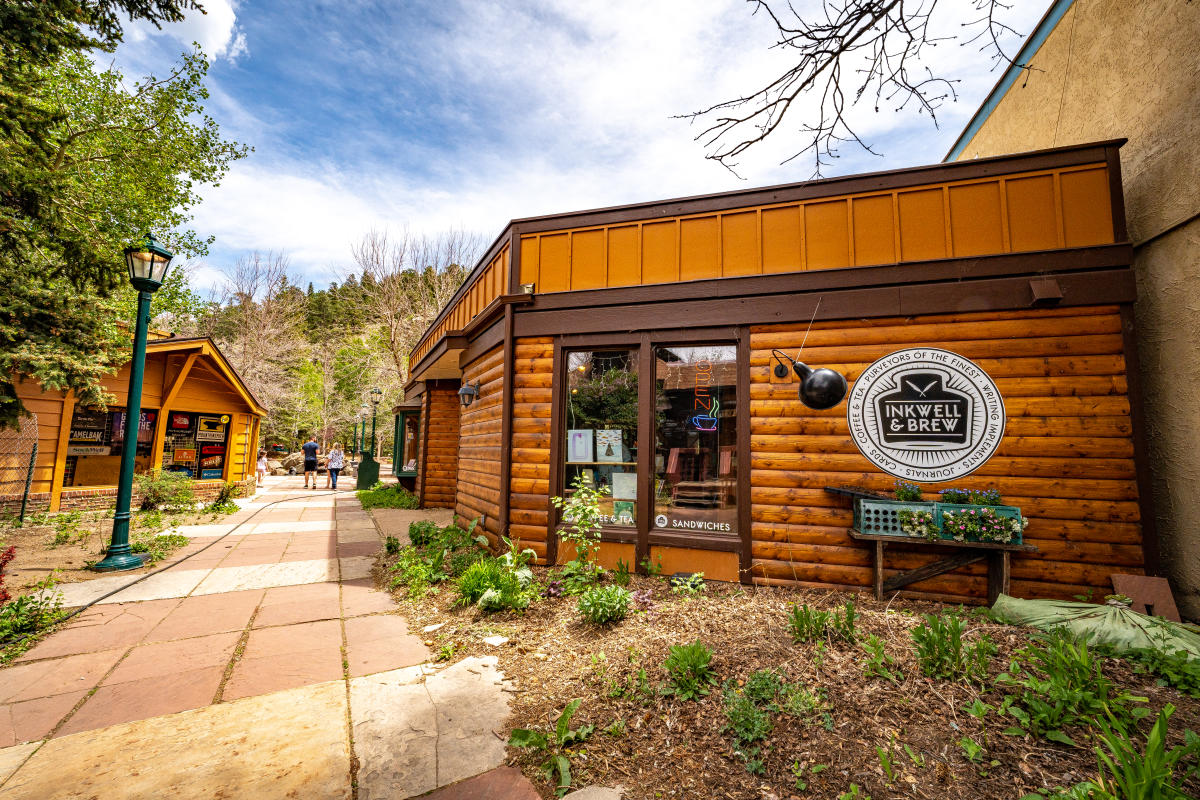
point(467, 393)
point(376, 397)
point(148, 263)
point(362, 437)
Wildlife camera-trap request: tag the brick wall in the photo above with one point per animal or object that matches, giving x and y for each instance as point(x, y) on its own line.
point(104, 497)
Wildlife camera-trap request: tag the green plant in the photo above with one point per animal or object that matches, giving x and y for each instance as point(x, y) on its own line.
point(32, 612)
point(1177, 669)
point(157, 546)
point(885, 763)
point(492, 587)
point(1059, 682)
point(691, 586)
point(461, 560)
point(621, 575)
point(67, 526)
point(916, 758)
point(446, 651)
point(582, 513)
point(555, 745)
point(854, 794)
point(603, 604)
point(801, 702)
point(391, 545)
point(879, 664)
point(652, 568)
point(168, 490)
point(745, 720)
point(798, 773)
point(972, 749)
point(807, 623)
point(764, 687)
point(616, 729)
point(689, 670)
point(387, 496)
point(908, 492)
point(223, 502)
point(984, 525)
point(417, 571)
point(941, 652)
point(421, 532)
point(918, 523)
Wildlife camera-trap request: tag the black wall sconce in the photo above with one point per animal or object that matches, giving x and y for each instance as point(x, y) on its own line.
point(467, 393)
point(819, 388)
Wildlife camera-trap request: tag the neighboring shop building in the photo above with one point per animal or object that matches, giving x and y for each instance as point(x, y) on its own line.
point(197, 418)
point(632, 347)
point(1107, 68)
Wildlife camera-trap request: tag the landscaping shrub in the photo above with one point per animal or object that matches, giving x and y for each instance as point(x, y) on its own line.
point(764, 687)
point(808, 624)
point(223, 503)
point(689, 673)
point(391, 545)
point(489, 585)
point(422, 532)
point(39, 609)
point(157, 546)
point(171, 491)
point(391, 495)
point(1058, 682)
point(941, 652)
point(745, 720)
point(602, 604)
point(417, 571)
point(555, 746)
point(908, 492)
point(463, 559)
point(1176, 669)
point(582, 513)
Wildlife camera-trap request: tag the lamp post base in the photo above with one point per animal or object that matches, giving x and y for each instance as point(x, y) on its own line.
point(118, 562)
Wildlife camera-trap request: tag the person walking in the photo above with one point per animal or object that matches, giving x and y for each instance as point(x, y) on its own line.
point(262, 466)
point(311, 451)
point(333, 467)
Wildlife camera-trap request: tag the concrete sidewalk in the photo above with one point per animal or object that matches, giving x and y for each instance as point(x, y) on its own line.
point(265, 665)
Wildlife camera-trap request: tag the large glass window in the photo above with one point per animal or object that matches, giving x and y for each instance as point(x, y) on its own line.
point(695, 455)
point(601, 429)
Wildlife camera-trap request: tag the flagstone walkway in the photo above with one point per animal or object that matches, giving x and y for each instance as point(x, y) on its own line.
point(266, 665)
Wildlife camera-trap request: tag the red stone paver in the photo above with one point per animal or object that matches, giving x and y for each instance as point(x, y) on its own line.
point(359, 596)
point(145, 698)
point(163, 659)
point(381, 642)
point(103, 627)
point(57, 676)
point(348, 549)
point(504, 783)
point(207, 614)
point(274, 673)
point(34, 719)
point(288, 605)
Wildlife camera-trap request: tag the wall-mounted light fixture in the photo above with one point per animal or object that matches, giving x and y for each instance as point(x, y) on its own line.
point(527, 288)
point(467, 393)
point(819, 388)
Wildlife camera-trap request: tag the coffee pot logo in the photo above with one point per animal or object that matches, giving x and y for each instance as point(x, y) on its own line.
point(923, 414)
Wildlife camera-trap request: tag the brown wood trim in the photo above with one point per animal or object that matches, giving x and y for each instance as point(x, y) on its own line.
point(506, 421)
point(672, 335)
point(1141, 457)
point(488, 340)
point(696, 541)
point(646, 439)
point(1117, 194)
point(946, 269)
point(454, 340)
point(556, 468)
point(743, 454)
point(1080, 289)
point(423, 467)
point(888, 180)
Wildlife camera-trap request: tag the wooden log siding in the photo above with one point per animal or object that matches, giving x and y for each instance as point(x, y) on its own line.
point(1066, 458)
point(528, 514)
point(478, 487)
point(440, 470)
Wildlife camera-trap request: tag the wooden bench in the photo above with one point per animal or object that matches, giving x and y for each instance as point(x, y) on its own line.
point(997, 554)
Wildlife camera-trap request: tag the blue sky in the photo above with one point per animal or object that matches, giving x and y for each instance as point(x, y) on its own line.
point(434, 115)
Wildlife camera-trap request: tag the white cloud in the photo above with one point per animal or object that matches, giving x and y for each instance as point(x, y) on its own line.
point(216, 31)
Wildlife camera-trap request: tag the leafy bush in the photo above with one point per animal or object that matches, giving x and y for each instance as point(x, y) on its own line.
point(39, 609)
point(417, 571)
point(691, 586)
point(157, 546)
point(555, 746)
point(745, 720)
point(765, 686)
point(908, 492)
point(422, 532)
point(1176, 669)
point(461, 560)
point(490, 586)
point(808, 624)
point(1059, 682)
point(171, 491)
point(582, 513)
point(972, 497)
point(602, 604)
point(391, 545)
point(621, 575)
point(689, 673)
point(387, 496)
point(223, 502)
point(879, 664)
point(942, 654)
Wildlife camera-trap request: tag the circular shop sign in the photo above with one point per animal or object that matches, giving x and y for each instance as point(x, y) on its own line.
point(925, 414)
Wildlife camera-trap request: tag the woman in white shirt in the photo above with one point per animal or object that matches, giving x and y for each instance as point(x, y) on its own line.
point(337, 460)
point(262, 466)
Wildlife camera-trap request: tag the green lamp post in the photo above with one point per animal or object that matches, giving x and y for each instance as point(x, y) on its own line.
point(354, 440)
point(376, 397)
point(148, 263)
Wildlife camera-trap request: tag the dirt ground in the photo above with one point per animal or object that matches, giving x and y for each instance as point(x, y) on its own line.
point(661, 747)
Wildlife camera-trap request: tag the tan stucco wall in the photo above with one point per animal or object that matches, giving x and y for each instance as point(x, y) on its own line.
point(1124, 68)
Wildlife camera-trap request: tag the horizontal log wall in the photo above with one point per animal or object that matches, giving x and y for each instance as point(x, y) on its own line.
point(440, 470)
point(1066, 458)
point(478, 488)
point(533, 378)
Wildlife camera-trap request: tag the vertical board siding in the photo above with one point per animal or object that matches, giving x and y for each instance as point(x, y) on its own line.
point(440, 471)
point(533, 379)
point(490, 283)
point(478, 486)
point(1016, 213)
point(1066, 458)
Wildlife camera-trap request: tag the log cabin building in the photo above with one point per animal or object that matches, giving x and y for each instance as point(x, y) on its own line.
point(198, 418)
point(634, 348)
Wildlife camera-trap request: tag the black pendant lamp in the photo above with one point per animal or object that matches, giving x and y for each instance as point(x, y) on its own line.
point(819, 388)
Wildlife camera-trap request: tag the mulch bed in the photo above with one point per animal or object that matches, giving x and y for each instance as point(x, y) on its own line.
point(676, 749)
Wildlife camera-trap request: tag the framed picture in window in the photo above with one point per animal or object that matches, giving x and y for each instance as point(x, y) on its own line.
point(609, 447)
point(579, 446)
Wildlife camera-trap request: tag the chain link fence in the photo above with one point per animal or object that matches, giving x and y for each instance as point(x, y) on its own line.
point(18, 454)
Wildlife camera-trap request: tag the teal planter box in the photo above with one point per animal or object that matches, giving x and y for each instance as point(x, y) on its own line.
point(882, 517)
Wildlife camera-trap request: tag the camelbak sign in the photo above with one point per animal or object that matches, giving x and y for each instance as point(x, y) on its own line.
point(926, 415)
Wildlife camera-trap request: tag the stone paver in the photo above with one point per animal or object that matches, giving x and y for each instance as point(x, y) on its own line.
point(228, 674)
point(504, 783)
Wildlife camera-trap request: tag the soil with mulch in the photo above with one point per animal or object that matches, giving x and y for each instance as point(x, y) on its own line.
point(661, 747)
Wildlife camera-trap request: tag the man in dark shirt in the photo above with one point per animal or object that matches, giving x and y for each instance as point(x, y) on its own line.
point(311, 449)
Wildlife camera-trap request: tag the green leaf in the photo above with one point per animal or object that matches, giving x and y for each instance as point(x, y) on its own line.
point(562, 727)
point(564, 774)
point(1014, 731)
point(1060, 737)
point(523, 737)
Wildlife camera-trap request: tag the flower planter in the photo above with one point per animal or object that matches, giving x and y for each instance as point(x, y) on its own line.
point(882, 517)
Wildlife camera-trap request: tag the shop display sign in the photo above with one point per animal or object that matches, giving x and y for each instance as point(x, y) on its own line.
point(209, 474)
point(211, 429)
point(925, 414)
point(87, 450)
point(181, 422)
point(145, 426)
point(183, 455)
point(212, 450)
point(86, 437)
point(211, 461)
point(663, 521)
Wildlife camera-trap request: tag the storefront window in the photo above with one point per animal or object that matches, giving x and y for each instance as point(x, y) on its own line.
point(195, 444)
point(601, 429)
point(695, 456)
point(96, 441)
